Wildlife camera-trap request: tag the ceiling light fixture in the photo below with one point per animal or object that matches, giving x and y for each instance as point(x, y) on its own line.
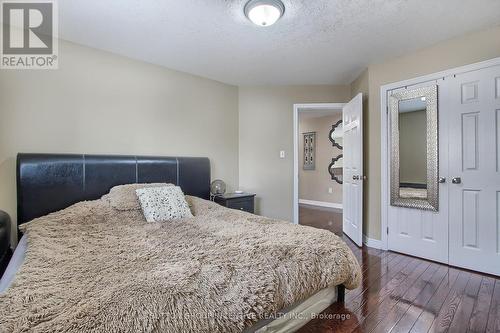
point(264, 12)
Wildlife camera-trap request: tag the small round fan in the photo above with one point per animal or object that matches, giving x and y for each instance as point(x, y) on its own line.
point(218, 187)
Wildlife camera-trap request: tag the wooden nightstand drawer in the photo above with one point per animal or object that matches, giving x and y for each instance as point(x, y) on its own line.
point(241, 204)
point(239, 201)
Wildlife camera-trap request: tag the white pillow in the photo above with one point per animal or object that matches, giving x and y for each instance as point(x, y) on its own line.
point(163, 203)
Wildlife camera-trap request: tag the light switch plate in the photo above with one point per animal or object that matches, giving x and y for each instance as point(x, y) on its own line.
point(282, 154)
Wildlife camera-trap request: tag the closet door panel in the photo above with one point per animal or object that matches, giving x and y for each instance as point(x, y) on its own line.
point(418, 232)
point(474, 164)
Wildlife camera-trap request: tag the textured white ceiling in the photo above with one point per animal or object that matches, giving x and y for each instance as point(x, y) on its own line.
point(316, 41)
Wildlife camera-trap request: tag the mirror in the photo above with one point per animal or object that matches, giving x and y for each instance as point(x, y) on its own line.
point(335, 168)
point(414, 150)
point(336, 134)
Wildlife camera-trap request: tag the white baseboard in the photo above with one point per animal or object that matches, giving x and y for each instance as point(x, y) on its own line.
point(320, 203)
point(373, 243)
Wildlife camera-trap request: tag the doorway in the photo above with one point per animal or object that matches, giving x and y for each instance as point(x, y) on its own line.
point(327, 166)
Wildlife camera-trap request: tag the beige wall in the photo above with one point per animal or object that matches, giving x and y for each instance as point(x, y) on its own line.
point(413, 147)
point(314, 184)
point(98, 102)
point(266, 121)
point(471, 48)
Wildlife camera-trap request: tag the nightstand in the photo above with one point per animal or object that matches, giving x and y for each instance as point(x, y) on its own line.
point(239, 201)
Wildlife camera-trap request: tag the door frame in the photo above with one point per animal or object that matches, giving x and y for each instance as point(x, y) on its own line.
point(296, 109)
point(384, 127)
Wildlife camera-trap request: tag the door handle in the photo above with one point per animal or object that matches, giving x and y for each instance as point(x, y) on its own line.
point(456, 180)
point(355, 177)
point(442, 180)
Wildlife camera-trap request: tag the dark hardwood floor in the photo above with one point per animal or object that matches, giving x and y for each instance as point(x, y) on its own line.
point(400, 293)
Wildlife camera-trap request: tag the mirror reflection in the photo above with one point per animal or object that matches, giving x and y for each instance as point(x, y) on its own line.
point(413, 148)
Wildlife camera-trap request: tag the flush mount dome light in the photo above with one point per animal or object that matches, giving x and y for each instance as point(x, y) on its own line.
point(264, 12)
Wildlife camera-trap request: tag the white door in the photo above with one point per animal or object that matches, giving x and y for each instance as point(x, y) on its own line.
point(352, 201)
point(418, 232)
point(475, 164)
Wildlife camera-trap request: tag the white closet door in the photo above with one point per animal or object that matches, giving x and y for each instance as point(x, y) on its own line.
point(418, 232)
point(475, 164)
point(352, 188)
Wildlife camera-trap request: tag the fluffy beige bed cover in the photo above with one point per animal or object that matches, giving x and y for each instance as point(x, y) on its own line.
point(98, 266)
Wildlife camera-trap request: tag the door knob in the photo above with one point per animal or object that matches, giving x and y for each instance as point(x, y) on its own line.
point(456, 180)
point(442, 180)
point(355, 177)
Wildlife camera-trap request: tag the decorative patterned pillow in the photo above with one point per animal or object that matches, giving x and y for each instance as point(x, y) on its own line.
point(163, 203)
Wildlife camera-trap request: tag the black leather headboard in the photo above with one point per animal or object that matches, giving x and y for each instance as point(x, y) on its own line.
point(47, 183)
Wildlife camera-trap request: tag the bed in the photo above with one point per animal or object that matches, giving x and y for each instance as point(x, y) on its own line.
point(60, 185)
